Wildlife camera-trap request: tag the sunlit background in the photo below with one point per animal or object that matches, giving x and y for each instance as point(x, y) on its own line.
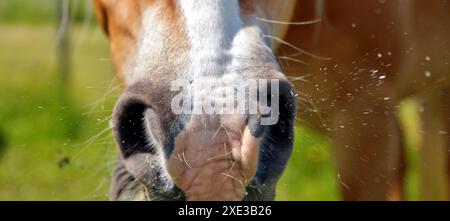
point(56, 97)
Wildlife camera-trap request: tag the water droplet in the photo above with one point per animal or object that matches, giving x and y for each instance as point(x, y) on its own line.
point(382, 77)
point(379, 55)
point(427, 74)
point(427, 58)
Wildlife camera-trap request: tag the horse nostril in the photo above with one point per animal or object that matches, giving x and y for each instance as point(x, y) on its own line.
point(129, 129)
point(277, 102)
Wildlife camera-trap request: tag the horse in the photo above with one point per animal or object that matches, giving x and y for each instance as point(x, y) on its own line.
point(352, 63)
point(374, 55)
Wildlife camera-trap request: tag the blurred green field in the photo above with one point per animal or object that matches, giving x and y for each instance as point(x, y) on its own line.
point(42, 127)
point(55, 142)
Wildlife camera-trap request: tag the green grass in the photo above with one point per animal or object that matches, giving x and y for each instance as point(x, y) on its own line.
point(409, 117)
point(41, 127)
point(41, 11)
point(310, 174)
point(44, 125)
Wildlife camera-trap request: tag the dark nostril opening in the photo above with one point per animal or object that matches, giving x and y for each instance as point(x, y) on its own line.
point(129, 128)
point(285, 111)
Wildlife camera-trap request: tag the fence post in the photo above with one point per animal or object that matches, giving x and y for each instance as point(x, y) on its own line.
point(62, 40)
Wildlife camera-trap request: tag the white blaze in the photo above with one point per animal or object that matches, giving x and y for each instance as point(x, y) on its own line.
point(211, 26)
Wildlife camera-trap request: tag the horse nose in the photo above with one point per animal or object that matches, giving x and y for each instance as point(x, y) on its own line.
point(275, 101)
point(128, 124)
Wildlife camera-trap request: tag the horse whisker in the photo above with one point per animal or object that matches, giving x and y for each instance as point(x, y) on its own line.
point(179, 157)
point(293, 59)
point(219, 156)
point(300, 78)
point(296, 48)
point(232, 166)
point(315, 21)
point(185, 161)
point(233, 178)
point(217, 132)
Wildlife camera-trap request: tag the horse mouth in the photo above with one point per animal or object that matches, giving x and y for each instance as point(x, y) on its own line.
point(214, 164)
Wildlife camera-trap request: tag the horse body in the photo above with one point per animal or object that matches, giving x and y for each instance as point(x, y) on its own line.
point(381, 53)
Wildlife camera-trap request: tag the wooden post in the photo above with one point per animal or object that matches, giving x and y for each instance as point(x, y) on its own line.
point(62, 40)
